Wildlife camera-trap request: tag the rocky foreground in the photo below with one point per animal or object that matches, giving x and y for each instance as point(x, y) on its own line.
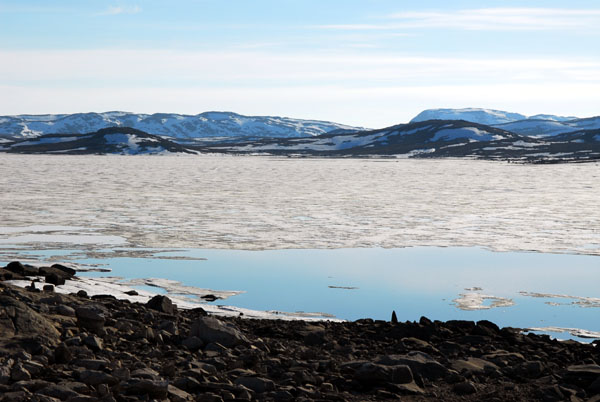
point(76, 348)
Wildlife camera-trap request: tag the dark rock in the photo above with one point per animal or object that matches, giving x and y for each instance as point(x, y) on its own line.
point(57, 391)
point(65, 310)
point(152, 388)
point(93, 342)
point(95, 377)
point(177, 395)
point(210, 329)
point(394, 317)
point(146, 373)
point(19, 373)
point(22, 269)
point(132, 293)
point(16, 317)
point(162, 304)
point(91, 317)
point(464, 388)
point(91, 364)
point(530, 369)
point(48, 288)
point(371, 373)
point(256, 384)
point(62, 354)
point(550, 393)
point(473, 365)
point(419, 363)
point(68, 271)
point(193, 343)
point(55, 279)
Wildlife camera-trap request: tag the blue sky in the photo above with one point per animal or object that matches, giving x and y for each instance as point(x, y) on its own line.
point(371, 63)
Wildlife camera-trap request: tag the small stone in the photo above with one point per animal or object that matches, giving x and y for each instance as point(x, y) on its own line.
point(93, 342)
point(65, 310)
point(63, 354)
point(19, 373)
point(464, 388)
point(177, 395)
point(193, 343)
point(48, 288)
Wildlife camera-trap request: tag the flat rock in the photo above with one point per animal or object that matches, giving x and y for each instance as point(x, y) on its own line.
point(256, 384)
point(419, 363)
point(210, 329)
point(473, 365)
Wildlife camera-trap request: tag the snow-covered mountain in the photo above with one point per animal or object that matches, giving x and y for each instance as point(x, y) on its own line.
point(114, 140)
point(543, 128)
point(482, 116)
point(474, 115)
point(208, 124)
point(432, 139)
point(404, 138)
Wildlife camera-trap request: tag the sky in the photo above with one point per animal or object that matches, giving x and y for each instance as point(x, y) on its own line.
point(369, 63)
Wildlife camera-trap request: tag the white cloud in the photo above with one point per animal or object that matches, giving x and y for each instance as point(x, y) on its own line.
point(116, 10)
point(488, 19)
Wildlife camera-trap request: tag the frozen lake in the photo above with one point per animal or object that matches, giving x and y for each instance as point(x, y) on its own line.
point(106, 209)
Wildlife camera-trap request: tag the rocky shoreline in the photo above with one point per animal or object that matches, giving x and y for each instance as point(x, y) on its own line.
point(79, 348)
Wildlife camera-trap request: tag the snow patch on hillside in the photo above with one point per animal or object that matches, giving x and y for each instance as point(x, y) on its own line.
point(471, 133)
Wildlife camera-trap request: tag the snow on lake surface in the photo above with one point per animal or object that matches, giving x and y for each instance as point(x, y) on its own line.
point(95, 209)
point(255, 202)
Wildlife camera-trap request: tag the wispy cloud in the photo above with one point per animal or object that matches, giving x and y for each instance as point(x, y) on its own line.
point(116, 10)
point(487, 19)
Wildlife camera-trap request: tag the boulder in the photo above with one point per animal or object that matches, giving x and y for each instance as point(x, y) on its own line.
point(419, 363)
point(210, 329)
point(17, 318)
point(473, 365)
point(372, 373)
point(68, 271)
point(91, 317)
point(162, 304)
point(96, 377)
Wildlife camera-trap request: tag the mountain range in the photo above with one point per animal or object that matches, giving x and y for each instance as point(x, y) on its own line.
point(179, 126)
point(443, 133)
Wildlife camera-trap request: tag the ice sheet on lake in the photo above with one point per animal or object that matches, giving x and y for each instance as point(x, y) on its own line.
point(576, 300)
point(113, 286)
point(175, 287)
point(580, 333)
point(471, 301)
point(250, 202)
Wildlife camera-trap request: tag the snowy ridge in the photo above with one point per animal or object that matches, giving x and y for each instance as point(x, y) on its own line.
point(544, 128)
point(432, 139)
point(540, 125)
point(115, 140)
point(208, 124)
point(474, 115)
point(483, 116)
